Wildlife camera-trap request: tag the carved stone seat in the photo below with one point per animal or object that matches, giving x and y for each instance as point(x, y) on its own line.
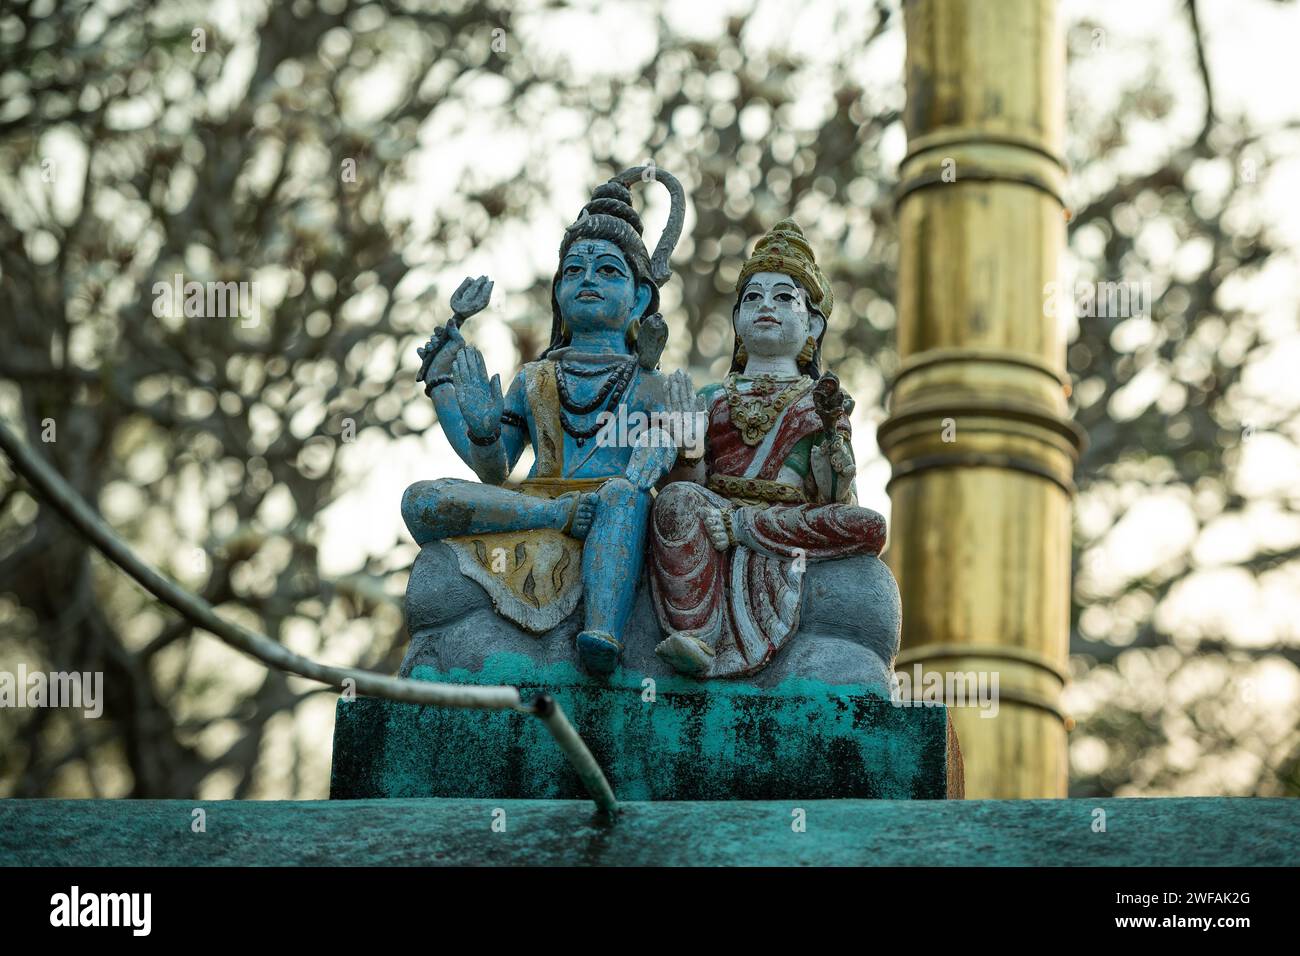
point(816, 723)
point(848, 632)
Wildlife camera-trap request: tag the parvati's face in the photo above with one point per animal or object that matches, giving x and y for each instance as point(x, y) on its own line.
point(773, 318)
point(597, 290)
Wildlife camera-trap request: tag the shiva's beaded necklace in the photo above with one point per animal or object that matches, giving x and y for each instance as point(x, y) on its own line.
point(611, 391)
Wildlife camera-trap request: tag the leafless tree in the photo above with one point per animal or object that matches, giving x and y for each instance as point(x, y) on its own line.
point(289, 179)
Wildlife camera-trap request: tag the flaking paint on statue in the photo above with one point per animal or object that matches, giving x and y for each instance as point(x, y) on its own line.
point(736, 561)
point(560, 558)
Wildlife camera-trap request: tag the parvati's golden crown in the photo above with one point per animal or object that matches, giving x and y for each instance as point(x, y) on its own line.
point(785, 250)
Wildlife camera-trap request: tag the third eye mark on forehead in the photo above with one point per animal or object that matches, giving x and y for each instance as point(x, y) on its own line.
point(575, 255)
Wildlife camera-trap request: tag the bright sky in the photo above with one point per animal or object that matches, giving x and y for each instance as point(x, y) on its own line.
point(1251, 58)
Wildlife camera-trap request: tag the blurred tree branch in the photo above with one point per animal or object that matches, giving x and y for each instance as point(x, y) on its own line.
point(218, 447)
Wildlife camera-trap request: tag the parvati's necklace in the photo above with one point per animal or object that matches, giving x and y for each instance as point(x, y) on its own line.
point(756, 413)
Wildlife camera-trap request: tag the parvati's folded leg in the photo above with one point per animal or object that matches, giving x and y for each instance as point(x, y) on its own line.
point(688, 574)
point(816, 532)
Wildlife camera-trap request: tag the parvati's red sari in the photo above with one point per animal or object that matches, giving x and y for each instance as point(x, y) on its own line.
point(744, 602)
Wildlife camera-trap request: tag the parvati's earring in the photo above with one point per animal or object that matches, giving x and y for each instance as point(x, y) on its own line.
point(809, 349)
point(742, 356)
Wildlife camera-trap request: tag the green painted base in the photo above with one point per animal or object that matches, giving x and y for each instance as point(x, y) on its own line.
point(665, 740)
point(1200, 831)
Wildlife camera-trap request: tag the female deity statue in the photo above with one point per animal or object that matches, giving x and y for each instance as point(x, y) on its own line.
point(774, 491)
point(576, 527)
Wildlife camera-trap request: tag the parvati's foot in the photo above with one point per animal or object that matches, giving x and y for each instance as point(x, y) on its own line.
point(598, 651)
point(715, 524)
point(582, 514)
point(687, 654)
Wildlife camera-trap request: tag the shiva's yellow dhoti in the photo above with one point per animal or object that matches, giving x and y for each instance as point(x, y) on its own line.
point(534, 577)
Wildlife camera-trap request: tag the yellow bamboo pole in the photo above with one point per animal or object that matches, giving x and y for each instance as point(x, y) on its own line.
point(982, 448)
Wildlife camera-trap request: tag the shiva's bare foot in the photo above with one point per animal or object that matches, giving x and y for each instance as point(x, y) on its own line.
point(599, 651)
point(584, 513)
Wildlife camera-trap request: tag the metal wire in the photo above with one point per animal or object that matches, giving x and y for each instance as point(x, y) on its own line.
point(63, 497)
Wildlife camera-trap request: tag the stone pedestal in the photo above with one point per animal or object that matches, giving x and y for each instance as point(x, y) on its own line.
point(816, 723)
point(656, 739)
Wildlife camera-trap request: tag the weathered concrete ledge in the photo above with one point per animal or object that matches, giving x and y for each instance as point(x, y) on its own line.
point(1196, 831)
point(676, 740)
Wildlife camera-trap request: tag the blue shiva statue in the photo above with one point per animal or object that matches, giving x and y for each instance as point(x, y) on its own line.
point(576, 526)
